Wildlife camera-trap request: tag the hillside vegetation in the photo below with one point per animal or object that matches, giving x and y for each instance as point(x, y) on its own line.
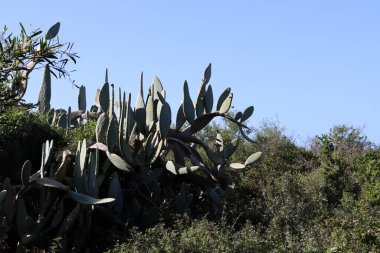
point(113, 177)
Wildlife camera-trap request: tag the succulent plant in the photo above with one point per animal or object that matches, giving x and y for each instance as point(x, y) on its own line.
point(139, 161)
point(45, 91)
point(140, 139)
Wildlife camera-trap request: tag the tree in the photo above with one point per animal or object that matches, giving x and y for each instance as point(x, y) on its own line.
point(21, 54)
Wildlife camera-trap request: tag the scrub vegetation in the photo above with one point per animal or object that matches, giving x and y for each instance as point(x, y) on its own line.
point(121, 176)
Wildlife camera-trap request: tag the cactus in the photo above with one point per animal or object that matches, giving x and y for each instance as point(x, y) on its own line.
point(54, 211)
point(139, 162)
point(45, 91)
point(82, 99)
point(146, 129)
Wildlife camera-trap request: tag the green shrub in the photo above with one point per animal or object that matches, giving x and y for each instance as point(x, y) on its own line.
point(21, 136)
point(196, 236)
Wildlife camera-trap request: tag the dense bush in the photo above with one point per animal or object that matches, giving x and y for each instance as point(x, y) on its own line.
point(319, 199)
point(21, 136)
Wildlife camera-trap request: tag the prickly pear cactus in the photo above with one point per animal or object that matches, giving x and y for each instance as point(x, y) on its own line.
point(45, 91)
point(140, 161)
point(141, 139)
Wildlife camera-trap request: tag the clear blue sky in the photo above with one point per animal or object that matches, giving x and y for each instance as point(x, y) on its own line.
point(309, 64)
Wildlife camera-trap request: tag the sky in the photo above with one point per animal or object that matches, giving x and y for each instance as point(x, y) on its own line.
point(306, 64)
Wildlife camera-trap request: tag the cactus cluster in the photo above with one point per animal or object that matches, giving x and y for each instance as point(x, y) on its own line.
point(139, 161)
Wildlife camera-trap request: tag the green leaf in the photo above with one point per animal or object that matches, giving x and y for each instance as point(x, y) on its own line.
point(93, 168)
point(165, 120)
point(247, 113)
point(102, 128)
point(112, 134)
point(87, 200)
point(82, 99)
point(158, 88)
point(119, 162)
point(45, 91)
point(104, 98)
point(53, 31)
point(180, 119)
point(149, 108)
point(188, 107)
point(26, 172)
point(200, 104)
point(222, 98)
point(209, 99)
point(202, 121)
point(253, 158)
point(237, 166)
point(22, 28)
point(36, 33)
point(207, 74)
point(226, 105)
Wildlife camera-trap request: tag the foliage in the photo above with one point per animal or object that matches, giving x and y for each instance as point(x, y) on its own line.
point(22, 133)
point(283, 204)
point(197, 236)
point(125, 174)
point(136, 179)
point(21, 54)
